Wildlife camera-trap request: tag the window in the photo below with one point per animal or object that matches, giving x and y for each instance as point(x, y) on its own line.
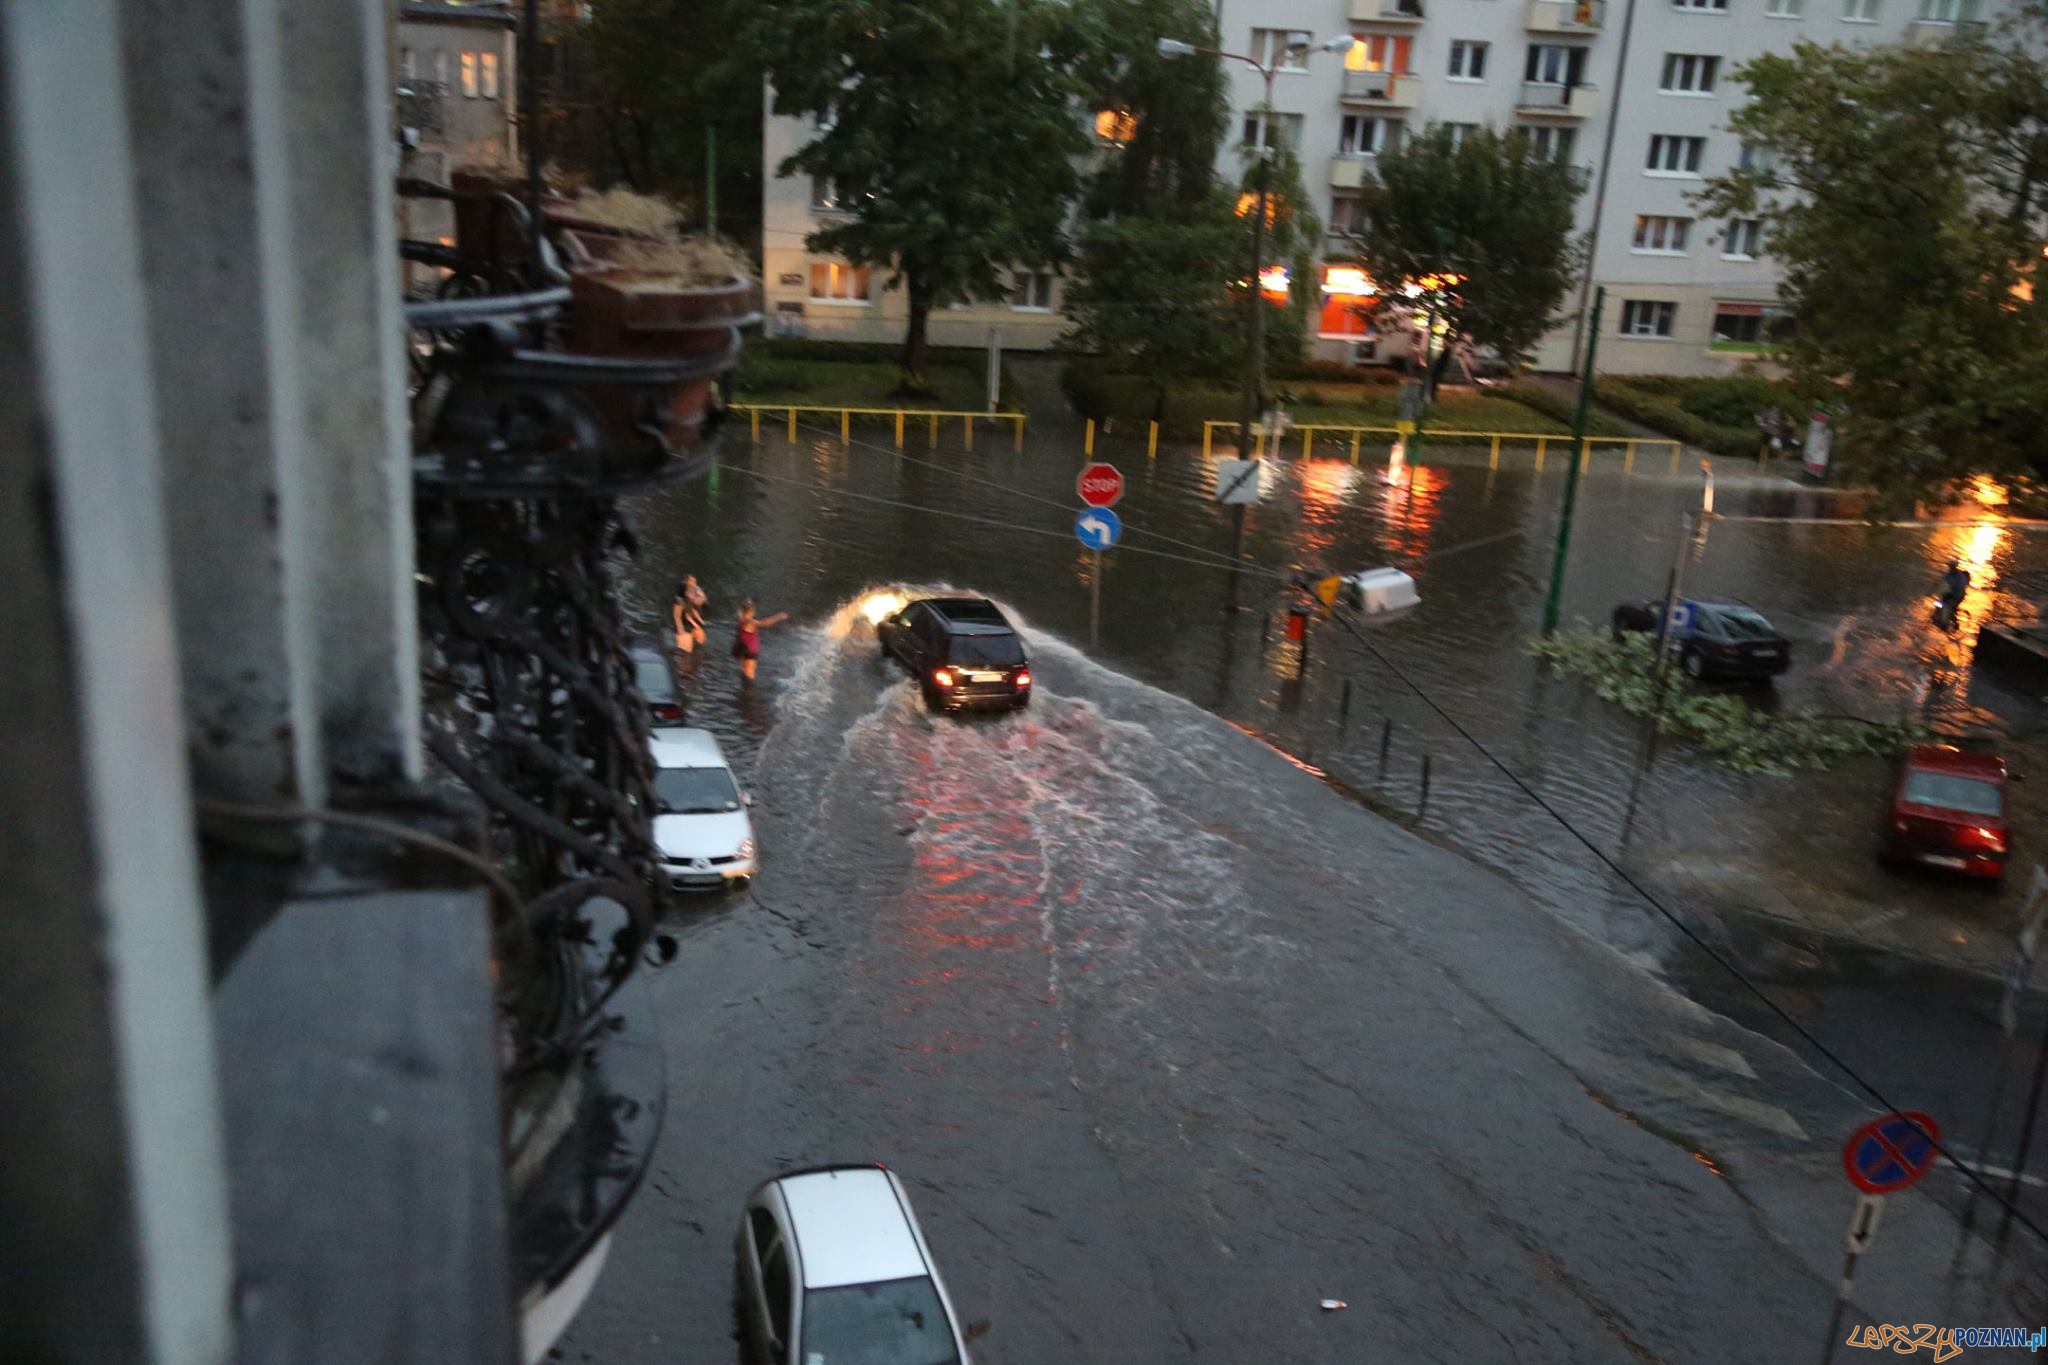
point(407, 64)
point(827, 196)
point(1285, 49)
point(1743, 239)
point(1264, 128)
point(1859, 11)
point(1783, 9)
point(1947, 11)
point(1759, 159)
point(1553, 144)
point(1656, 233)
point(469, 75)
point(1380, 52)
point(1702, 6)
point(856, 1324)
point(833, 282)
point(1647, 318)
point(1468, 61)
point(1459, 132)
point(1675, 155)
point(1031, 291)
point(1115, 126)
point(1343, 214)
point(1554, 64)
point(490, 75)
point(1362, 135)
point(1687, 74)
point(775, 1284)
point(441, 71)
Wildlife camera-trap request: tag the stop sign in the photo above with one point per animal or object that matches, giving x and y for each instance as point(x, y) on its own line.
point(1100, 485)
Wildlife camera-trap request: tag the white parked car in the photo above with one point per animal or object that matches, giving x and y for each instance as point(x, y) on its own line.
point(700, 817)
point(833, 1270)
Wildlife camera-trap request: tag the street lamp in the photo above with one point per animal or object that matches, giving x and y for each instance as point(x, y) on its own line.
point(1255, 359)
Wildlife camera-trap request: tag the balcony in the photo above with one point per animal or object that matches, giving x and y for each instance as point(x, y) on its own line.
point(1942, 32)
point(1386, 11)
point(1565, 16)
point(1383, 89)
point(1541, 99)
point(1349, 172)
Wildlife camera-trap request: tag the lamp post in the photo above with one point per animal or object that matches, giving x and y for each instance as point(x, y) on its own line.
point(1255, 353)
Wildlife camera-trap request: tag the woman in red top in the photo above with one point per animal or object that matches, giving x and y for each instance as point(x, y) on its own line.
point(746, 641)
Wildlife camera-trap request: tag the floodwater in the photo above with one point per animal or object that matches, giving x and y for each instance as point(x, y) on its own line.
point(1175, 1017)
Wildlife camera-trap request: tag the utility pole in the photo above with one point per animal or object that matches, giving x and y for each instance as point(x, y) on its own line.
point(1571, 471)
point(711, 179)
point(1251, 400)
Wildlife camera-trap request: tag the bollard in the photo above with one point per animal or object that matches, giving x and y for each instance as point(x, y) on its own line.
point(1673, 471)
point(967, 425)
point(1151, 440)
point(1088, 439)
point(899, 428)
point(792, 426)
point(756, 415)
point(1585, 454)
point(1423, 804)
point(1344, 708)
point(1208, 432)
point(1354, 447)
point(1493, 456)
point(1628, 458)
point(1018, 422)
point(1308, 435)
point(1386, 738)
point(845, 425)
point(1542, 444)
point(931, 437)
point(1258, 446)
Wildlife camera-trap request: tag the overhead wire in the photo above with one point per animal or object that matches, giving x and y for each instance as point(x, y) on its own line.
point(1720, 959)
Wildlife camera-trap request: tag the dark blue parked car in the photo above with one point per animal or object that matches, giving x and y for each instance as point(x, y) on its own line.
point(1714, 640)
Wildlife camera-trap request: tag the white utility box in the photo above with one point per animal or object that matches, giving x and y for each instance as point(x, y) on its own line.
point(1378, 592)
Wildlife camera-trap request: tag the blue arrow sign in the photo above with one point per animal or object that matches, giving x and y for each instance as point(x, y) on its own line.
point(1098, 527)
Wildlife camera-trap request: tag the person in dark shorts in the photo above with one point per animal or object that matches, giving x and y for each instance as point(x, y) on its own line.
point(746, 640)
point(688, 614)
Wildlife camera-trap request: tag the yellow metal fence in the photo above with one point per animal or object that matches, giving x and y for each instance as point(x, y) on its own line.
point(929, 416)
point(1310, 433)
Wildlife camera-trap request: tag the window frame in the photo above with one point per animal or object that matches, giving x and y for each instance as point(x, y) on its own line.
point(1700, 6)
point(1473, 69)
point(1661, 234)
point(1554, 143)
point(1381, 54)
point(1574, 62)
point(469, 74)
point(1694, 74)
point(1027, 282)
point(1662, 316)
point(1784, 9)
point(1860, 11)
point(1736, 229)
point(856, 275)
point(1691, 148)
point(1382, 135)
point(1263, 118)
point(1264, 54)
point(487, 74)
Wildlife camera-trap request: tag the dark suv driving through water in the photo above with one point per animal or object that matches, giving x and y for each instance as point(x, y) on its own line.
point(962, 651)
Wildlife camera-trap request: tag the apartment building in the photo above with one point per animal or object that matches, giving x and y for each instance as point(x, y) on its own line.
point(1635, 93)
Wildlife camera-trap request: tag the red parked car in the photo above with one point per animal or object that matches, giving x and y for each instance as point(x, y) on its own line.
point(1948, 810)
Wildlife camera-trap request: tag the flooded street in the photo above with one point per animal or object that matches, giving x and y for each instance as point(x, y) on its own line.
point(1175, 1016)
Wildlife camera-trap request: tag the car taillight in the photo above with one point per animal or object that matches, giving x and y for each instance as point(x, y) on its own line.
point(942, 677)
point(665, 711)
point(1023, 678)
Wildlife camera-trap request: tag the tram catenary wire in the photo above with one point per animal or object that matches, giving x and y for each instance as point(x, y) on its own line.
point(1805, 1035)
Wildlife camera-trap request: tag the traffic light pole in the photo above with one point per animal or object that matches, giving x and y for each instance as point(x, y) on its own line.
point(1571, 471)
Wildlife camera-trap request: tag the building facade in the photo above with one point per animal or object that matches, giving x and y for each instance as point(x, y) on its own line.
point(1635, 93)
point(456, 87)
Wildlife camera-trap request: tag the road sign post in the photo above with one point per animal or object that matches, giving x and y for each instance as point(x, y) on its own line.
point(1883, 1156)
point(1098, 529)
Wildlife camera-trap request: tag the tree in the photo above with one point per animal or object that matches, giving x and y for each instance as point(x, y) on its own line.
point(948, 129)
point(1489, 209)
point(1162, 249)
point(667, 78)
point(1902, 192)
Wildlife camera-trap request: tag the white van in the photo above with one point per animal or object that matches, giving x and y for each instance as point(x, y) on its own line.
point(700, 816)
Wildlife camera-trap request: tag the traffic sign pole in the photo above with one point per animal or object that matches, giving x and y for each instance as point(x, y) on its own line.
point(1095, 604)
point(1884, 1155)
point(1862, 1231)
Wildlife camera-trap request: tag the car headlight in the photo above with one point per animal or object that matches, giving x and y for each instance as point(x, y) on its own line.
point(746, 849)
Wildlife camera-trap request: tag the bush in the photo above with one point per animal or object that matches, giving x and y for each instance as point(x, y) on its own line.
point(1657, 407)
point(1734, 400)
point(1337, 372)
point(1560, 407)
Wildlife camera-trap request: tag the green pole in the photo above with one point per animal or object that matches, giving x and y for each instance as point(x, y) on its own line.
point(711, 178)
point(1571, 469)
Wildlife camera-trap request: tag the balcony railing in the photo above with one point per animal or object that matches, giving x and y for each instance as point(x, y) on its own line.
point(1386, 11)
point(1544, 99)
point(1394, 89)
point(1348, 171)
point(1565, 16)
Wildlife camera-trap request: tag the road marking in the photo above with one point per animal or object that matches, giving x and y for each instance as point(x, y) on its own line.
point(1997, 1173)
point(1711, 1054)
point(1753, 1112)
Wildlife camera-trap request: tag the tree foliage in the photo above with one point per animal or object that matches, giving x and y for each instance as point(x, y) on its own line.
point(1906, 207)
point(948, 127)
point(1174, 110)
point(663, 73)
point(1488, 207)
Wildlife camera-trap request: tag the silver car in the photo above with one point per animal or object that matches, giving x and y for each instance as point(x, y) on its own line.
point(833, 1270)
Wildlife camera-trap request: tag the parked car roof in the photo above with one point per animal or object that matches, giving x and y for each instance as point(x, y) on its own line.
point(678, 747)
point(1948, 758)
point(851, 1227)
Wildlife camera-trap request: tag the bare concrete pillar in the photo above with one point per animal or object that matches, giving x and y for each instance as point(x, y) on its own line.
point(113, 1241)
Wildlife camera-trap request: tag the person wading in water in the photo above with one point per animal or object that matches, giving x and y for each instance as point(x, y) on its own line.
point(688, 613)
point(746, 641)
